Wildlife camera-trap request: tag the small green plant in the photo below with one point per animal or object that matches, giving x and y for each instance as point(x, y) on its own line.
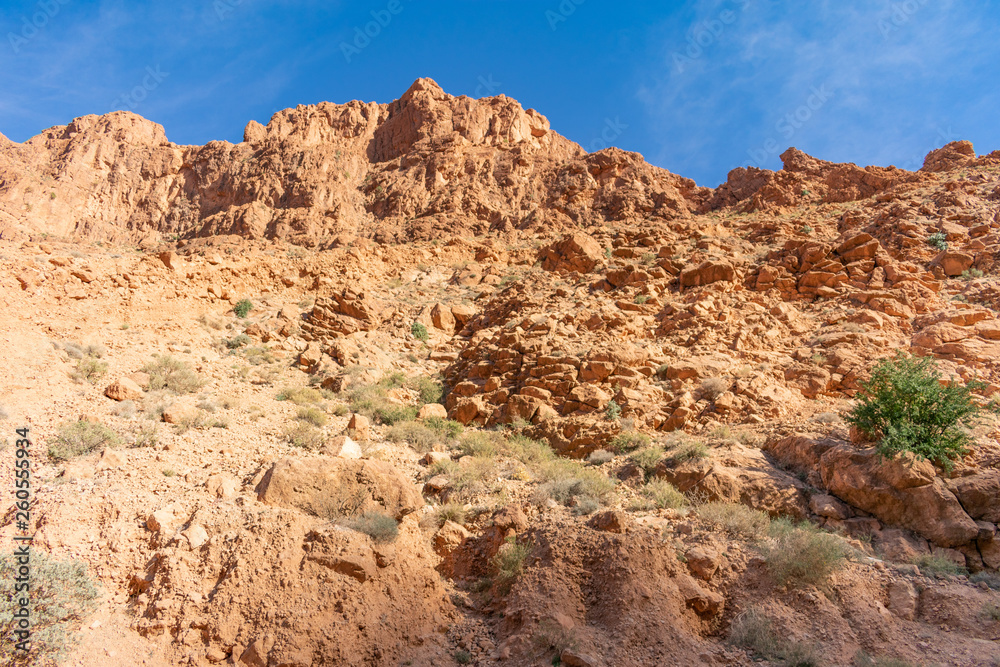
point(168, 472)
point(647, 459)
point(664, 495)
point(687, 451)
point(237, 342)
point(377, 525)
point(991, 611)
point(79, 438)
point(801, 554)
point(508, 563)
point(991, 579)
point(938, 241)
point(62, 596)
point(300, 395)
point(313, 416)
point(751, 630)
point(971, 274)
point(430, 390)
point(906, 408)
point(421, 437)
point(600, 457)
point(463, 657)
point(305, 436)
point(243, 308)
point(454, 512)
point(736, 519)
point(641, 298)
point(419, 332)
point(932, 564)
point(712, 388)
point(807, 230)
point(628, 441)
point(90, 369)
point(613, 412)
point(166, 372)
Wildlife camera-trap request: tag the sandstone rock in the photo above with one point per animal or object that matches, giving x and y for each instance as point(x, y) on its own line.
point(574, 658)
point(903, 599)
point(141, 379)
point(703, 561)
point(574, 252)
point(899, 546)
point(704, 601)
point(429, 410)
point(169, 259)
point(979, 495)
point(112, 458)
point(123, 389)
point(430, 458)
point(164, 520)
point(612, 521)
point(827, 506)
point(450, 537)
point(342, 446)
point(328, 486)
point(196, 535)
point(442, 318)
point(953, 262)
point(899, 494)
point(311, 356)
point(222, 486)
point(951, 156)
point(707, 273)
point(360, 426)
point(178, 413)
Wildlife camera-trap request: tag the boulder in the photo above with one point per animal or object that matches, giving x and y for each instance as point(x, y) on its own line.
point(432, 410)
point(123, 389)
point(902, 492)
point(328, 487)
point(442, 318)
point(360, 426)
point(611, 521)
point(954, 155)
point(575, 252)
point(979, 495)
point(703, 561)
point(222, 486)
point(343, 447)
point(707, 273)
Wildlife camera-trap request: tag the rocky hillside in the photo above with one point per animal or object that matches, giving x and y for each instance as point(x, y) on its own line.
point(425, 383)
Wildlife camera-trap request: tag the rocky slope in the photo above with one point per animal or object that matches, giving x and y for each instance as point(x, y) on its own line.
point(620, 314)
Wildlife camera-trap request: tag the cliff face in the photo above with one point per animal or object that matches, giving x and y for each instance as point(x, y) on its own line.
point(425, 163)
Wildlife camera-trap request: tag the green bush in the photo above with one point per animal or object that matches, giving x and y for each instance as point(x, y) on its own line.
point(801, 554)
point(931, 564)
point(938, 241)
point(415, 433)
point(90, 369)
point(379, 526)
point(454, 512)
point(751, 630)
point(79, 438)
point(430, 390)
point(243, 308)
point(647, 459)
point(736, 519)
point(628, 441)
point(906, 408)
point(446, 428)
point(613, 412)
point(419, 332)
point(687, 451)
point(62, 595)
point(664, 495)
point(237, 341)
point(508, 563)
point(166, 372)
point(313, 416)
point(305, 436)
point(299, 395)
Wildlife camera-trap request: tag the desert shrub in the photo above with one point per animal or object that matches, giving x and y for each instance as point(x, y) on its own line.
point(905, 406)
point(991, 611)
point(446, 428)
point(799, 654)
point(932, 564)
point(600, 457)
point(257, 355)
point(449, 512)
point(430, 390)
point(508, 563)
point(419, 332)
point(567, 482)
point(687, 451)
point(372, 403)
point(200, 419)
point(77, 351)
point(462, 657)
point(236, 342)
point(313, 416)
point(664, 495)
point(991, 579)
point(125, 410)
point(305, 436)
point(712, 388)
point(89, 369)
point(211, 321)
point(751, 630)
point(971, 274)
point(166, 372)
point(300, 395)
point(146, 436)
point(938, 241)
point(736, 519)
point(242, 308)
point(628, 441)
point(79, 438)
point(62, 595)
point(415, 433)
point(801, 554)
point(613, 412)
point(377, 525)
point(482, 443)
point(647, 459)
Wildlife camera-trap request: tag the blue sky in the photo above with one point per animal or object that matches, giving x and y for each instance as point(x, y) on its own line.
point(697, 87)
